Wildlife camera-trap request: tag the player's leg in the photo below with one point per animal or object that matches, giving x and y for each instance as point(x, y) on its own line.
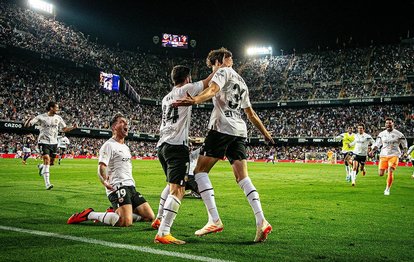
point(171, 207)
point(177, 163)
point(60, 154)
point(142, 210)
point(382, 167)
point(109, 217)
point(191, 185)
point(45, 169)
point(204, 165)
point(354, 171)
point(214, 148)
point(347, 167)
point(236, 154)
point(245, 183)
point(392, 165)
point(362, 168)
point(164, 194)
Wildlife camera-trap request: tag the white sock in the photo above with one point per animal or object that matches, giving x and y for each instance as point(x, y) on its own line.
point(207, 194)
point(109, 218)
point(163, 197)
point(46, 174)
point(347, 170)
point(171, 206)
point(136, 217)
point(253, 197)
point(353, 176)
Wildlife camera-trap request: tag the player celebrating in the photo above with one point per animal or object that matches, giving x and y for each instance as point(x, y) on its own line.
point(347, 138)
point(271, 156)
point(227, 137)
point(63, 142)
point(390, 140)
point(49, 124)
point(115, 174)
point(360, 152)
point(27, 151)
point(173, 151)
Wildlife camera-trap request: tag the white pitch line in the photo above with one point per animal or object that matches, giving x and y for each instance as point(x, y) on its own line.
point(112, 244)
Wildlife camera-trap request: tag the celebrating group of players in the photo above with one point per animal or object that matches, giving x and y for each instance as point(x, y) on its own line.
point(226, 138)
point(356, 149)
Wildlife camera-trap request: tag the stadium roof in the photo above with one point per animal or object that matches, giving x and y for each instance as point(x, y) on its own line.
point(303, 25)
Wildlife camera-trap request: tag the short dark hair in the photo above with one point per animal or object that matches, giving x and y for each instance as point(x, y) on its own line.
point(389, 119)
point(218, 55)
point(360, 124)
point(50, 104)
point(179, 73)
point(114, 119)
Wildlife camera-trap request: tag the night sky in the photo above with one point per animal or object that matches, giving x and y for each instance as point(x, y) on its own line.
point(287, 25)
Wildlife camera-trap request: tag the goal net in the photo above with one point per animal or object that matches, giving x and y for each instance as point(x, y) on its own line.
point(320, 157)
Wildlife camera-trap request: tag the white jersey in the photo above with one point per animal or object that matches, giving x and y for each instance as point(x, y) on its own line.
point(193, 160)
point(49, 127)
point(233, 96)
point(176, 120)
point(361, 142)
point(63, 141)
point(117, 158)
point(390, 142)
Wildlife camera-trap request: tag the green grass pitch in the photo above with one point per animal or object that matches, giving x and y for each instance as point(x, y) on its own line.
point(315, 214)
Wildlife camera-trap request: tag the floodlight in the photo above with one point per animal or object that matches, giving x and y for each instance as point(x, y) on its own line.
point(41, 5)
point(251, 51)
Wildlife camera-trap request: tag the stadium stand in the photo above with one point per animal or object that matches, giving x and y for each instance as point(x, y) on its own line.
point(27, 82)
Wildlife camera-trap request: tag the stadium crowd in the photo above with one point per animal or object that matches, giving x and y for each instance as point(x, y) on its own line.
point(353, 72)
point(34, 83)
point(27, 84)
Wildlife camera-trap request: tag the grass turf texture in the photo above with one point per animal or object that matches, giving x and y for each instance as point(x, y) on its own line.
point(315, 214)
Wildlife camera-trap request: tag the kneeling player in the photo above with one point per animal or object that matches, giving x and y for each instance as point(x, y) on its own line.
point(115, 173)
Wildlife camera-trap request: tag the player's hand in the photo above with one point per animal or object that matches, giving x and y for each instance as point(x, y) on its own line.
point(186, 101)
point(108, 186)
point(75, 126)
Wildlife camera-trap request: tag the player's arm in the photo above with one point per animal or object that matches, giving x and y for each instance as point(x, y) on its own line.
point(404, 144)
point(255, 120)
point(68, 129)
point(339, 138)
point(205, 95)
point(103, 176)
point(375, 146)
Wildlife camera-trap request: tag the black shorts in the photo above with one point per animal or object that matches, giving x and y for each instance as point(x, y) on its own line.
point(46, 149)
point(126, 195)
point(218, 145)
point(359, 159)
point(175, 160)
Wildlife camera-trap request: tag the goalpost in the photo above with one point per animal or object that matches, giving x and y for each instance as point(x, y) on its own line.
point(320, 157)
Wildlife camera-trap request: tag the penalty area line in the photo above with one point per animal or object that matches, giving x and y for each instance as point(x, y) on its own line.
point(112, 244)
